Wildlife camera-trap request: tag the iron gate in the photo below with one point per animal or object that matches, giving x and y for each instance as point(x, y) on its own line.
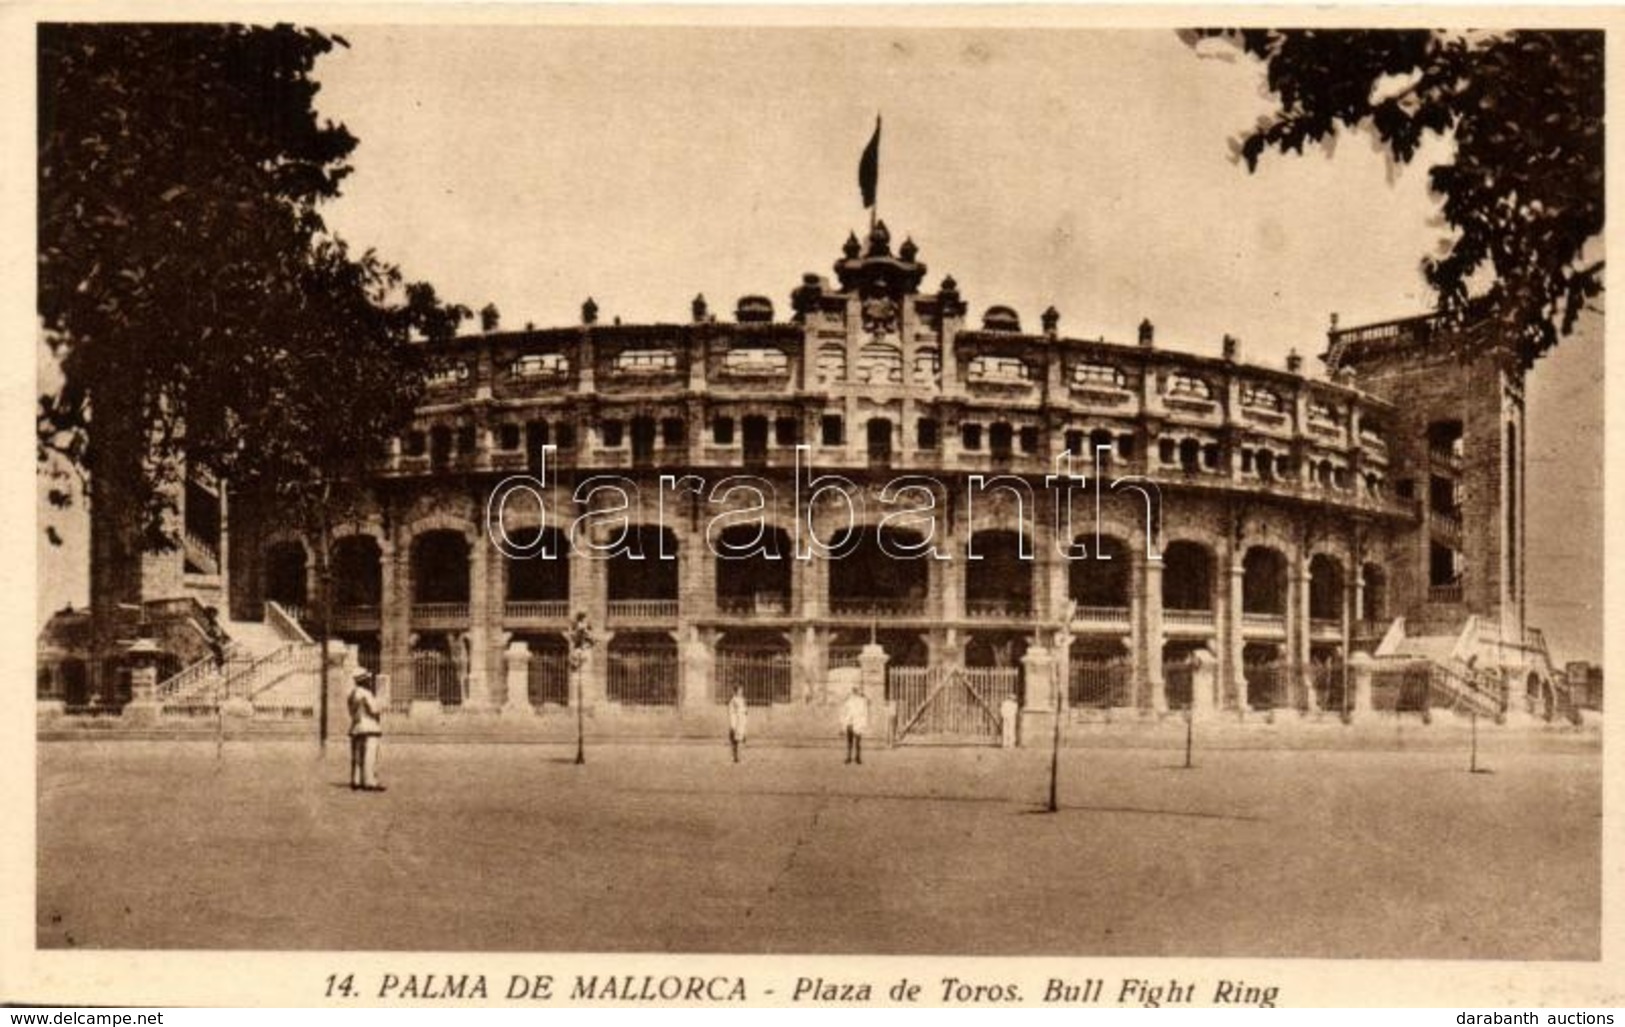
point(950, 704)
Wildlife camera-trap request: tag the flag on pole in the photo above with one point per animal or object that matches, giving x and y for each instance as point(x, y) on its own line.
point(869, 167)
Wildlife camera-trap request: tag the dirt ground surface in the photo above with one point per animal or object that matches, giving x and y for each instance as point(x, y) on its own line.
point(1272, 852)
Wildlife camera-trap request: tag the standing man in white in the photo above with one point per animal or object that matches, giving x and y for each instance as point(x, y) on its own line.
point(1008, 711)
point(855, 719)
point(738, 717)
point(366, 728)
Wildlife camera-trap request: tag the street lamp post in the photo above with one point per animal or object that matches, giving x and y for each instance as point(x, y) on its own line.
point(581, 643)
point(1063, 634)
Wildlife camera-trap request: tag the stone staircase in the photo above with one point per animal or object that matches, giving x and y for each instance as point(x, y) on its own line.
point(1478, 669)
point(269, 665)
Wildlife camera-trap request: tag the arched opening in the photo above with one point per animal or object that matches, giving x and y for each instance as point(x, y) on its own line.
point(1325, 589)
point(1373, 594)
point(1187, 576)
point(756, 583)
point(644, 431)
point(439, 668)
point(1179, 672)
point(880, 432)
point(999, 437)
point(869, 580)
point(1099, 673)
point(642, 669)
point(645, 569)
point(1000, 584)
point(1100, 447)
point(757, 663)
point(1263, 583)
point(1264, 666)
point(1099, 580)
point(285, 575)
point(753, 431)
point(547, 679)
point(538, 585)
point(358, 579)
point(1190, 455)
point(440, 568)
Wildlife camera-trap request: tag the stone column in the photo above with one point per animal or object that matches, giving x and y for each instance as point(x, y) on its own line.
point(1238, 640)
point(1152, 635)
point(809, 647)
point(1297, 632)
point(394, 623)
point(594, 601)
point(479, 627)
point(697, 646)
point(516, 668)
point(1226, 669)
point(1360, 669)
point(1038, 710)
point(696, 576)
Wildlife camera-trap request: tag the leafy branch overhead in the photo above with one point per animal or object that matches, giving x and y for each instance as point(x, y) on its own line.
point(1523, 185)
point(199, 313)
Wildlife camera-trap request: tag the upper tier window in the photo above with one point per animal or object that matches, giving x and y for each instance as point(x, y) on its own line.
point(832, 363)
point(1321, 412)
point(927, 366)
point(645, 361)
point(756, 363)
point(540, 365)
point(880, 364)
point(1097, 375)
point(448, 373)
point(1188, 386)
point(999, 370)
point(1259, 397)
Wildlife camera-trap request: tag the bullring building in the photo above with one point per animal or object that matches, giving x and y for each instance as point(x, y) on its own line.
point(1228, 538)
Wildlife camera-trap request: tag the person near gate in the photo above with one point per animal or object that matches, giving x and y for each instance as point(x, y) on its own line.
point(855, 719)
point(366, 728)
point(1008, 711)
point(738, 715)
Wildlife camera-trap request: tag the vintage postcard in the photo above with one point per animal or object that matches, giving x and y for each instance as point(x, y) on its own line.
point(928, 506)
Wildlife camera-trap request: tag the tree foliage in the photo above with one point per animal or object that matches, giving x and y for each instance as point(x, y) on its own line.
point(198, 310)
point(1523, 187)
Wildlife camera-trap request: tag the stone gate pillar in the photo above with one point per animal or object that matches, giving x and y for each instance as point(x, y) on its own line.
point(1038, 711)
point(1360, 671)
point(516, 669)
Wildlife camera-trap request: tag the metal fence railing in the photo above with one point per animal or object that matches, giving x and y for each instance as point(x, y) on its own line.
point(1100, 683)
point(643, 677)
point(765, 677)
point(1178, 681)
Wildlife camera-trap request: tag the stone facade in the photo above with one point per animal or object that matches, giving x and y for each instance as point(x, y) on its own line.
point(1223, 535)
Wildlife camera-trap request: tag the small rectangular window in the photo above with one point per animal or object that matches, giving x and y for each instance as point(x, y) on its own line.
point(970, 436)
point(1029, 439)
point(567, 435)
point(416, 443)
point(834, 430)
point(611, 434)
point(787, 431)
point(672, 432)
point(722, 431)
point(465, 440)
point(926, 433)
point(508, 436)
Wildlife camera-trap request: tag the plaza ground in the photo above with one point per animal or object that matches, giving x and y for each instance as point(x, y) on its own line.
point(1383, 850)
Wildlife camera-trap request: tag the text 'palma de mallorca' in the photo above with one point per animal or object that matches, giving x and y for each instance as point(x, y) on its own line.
point(864, 489)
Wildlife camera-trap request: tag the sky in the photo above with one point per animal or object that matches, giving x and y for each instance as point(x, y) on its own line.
point(532, 167)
